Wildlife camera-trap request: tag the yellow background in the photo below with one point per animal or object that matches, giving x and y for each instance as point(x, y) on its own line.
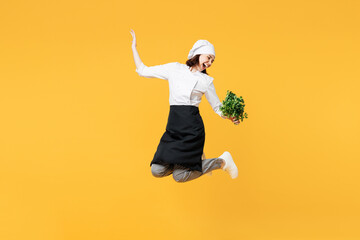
point(79, 126)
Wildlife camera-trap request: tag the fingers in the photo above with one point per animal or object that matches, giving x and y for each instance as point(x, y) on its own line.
point(132, 33)
point(134, 38)
point(236, 122)
point(232, 119)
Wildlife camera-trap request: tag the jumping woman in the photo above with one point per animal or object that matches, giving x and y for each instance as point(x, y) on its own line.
point(180, 151)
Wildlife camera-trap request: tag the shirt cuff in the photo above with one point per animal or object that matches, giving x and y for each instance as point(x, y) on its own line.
point(218, 111)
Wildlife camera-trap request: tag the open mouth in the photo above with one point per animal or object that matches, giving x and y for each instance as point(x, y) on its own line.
point(204, 65)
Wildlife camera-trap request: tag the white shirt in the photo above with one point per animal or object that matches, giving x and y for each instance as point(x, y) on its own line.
point(185, 87)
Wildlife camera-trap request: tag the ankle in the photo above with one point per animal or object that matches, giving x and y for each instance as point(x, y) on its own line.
point(222, 163)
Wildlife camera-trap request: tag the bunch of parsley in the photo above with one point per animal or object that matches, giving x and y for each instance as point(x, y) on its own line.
point(233, 106)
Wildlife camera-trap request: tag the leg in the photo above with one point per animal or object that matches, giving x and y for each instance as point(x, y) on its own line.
point(182, 174)
point(209, 172)
point(158, 170)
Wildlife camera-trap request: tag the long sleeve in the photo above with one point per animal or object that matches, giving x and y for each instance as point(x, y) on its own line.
point(159, 71)
point(213, 99)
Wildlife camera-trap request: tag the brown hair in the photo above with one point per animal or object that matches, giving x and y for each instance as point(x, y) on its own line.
point(195, 61)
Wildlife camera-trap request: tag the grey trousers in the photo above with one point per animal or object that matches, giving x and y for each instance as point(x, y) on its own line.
point(182, 174)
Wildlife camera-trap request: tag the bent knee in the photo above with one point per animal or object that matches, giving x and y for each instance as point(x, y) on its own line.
point(179, 177)
point(185, 175)
point(158, 170)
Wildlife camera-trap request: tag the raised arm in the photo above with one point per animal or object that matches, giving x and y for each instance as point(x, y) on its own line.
point(159, 71)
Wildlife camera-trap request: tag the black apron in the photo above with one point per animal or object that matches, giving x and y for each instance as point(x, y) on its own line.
point(184, 138)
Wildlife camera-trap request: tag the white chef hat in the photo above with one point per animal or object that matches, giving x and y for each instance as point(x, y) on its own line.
point(201, 47)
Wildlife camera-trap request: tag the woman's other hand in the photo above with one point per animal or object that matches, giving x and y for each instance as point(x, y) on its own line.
point(236, 122)
point(134, 38)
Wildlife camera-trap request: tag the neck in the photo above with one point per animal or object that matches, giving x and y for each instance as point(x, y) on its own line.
point(194, 68)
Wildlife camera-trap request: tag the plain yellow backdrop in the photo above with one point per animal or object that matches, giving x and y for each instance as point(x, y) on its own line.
point(79, 126)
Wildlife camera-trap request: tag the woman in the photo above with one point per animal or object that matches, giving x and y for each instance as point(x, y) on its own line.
point(181, 147)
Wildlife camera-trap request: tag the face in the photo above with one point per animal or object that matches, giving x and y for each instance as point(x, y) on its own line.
point(205, 61)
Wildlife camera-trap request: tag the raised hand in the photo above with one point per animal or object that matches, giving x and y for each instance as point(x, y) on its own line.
point(134, 38)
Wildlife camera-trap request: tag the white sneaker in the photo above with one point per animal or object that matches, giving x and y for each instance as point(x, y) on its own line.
point(229, 166)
